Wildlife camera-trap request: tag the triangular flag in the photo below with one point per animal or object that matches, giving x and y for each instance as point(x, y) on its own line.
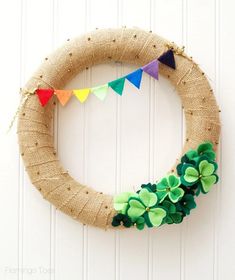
point(168, 59)
point(44, 95)
point(100, 91)
point(135, 77)
point(117, 85)
point(63, 95)
point(81, 94)
point(151, 68)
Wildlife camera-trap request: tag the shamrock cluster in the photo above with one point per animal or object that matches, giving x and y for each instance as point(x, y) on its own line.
point(173, 197)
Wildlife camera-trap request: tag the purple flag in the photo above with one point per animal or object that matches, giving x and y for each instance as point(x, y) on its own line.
point(151, 68)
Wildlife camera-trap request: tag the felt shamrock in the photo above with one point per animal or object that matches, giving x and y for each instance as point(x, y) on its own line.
point(139, 222)
point(173, 216)
point(170, 186)
point(121, 219)
point(121, 201)
point(203, 173)
point(192, 156)
point(146, 204)
point(186, 204)
point(184, 160)
point(205, 149)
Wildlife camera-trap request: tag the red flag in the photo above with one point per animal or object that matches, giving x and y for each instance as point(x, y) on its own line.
point(44, 95)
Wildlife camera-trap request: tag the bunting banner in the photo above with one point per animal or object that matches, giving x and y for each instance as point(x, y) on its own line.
point(117, 85)
point(44, 95)
point(100, 91)
point(135, 78)
point(152, 69)
point(81, 94)
point(63, 96)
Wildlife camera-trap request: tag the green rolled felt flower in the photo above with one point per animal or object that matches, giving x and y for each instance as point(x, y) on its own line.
point(173, 216)
point(121, 219)
point(203, 174)
point(186, 204)
point(121, 201)
point(170, 186)
point(192, 156)
point(146, 204)
point(205, 149)
point(139, 222)
point(149, 186)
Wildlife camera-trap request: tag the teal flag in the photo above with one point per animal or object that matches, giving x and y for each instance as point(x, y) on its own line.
point(117, 85)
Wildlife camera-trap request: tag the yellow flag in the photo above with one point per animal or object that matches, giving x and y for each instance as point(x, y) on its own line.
point(81, 94)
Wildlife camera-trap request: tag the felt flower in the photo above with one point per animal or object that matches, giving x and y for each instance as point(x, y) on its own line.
point(203, 173)
point(121, 219)
point(170, 187)
point(149, 186)
point(205, 149)
point(186, 204)
point(139, 222)
point(183, 161)
point(192, 156)
point(173, 216)
point(146, 205)
point(121, 201)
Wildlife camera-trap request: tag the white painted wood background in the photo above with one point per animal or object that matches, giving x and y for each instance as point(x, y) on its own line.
point(115, 145)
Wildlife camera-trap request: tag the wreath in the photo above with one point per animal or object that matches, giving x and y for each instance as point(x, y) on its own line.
point(168, 200)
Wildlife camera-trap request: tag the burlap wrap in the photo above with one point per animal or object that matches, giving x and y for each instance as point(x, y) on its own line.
point(34, 123)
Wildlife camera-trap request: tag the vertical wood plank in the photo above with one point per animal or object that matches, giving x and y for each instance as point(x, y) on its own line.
point(134, 148)
point(167, 135)
point(101, 145)
point(200, 259)
point(70, 253)
point(10, 72)
point(38, 39)
point(226, 87)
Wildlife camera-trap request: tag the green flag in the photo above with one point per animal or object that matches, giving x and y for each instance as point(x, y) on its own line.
point(117, 85)
point(100, 91)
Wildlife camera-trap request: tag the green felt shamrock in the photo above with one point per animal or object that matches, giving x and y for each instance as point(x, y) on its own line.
point(146, 204)
point(203, 174)
point(121, 219)
point(192, 156)
point(170, 186)
point(186, 204)
point(205, 149)
point(184, 160)
point(173, 216)
point(121, 201)
point(139, 222)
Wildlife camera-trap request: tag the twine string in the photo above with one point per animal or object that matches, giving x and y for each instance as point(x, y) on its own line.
point(27, 94)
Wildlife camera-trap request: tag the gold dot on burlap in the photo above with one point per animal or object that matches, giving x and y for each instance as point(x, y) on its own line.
point(126, 45)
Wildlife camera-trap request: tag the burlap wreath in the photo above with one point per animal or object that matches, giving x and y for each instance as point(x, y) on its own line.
point(125, 45)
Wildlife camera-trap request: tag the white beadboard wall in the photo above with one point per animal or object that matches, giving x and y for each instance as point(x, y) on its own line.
point(115, 145)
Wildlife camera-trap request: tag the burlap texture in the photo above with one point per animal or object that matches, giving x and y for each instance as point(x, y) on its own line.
point(34, 122)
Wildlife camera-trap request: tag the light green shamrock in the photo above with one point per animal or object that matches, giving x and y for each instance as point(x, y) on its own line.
point(121, 201)
point(203, 173)
point(145, 205)
point(169, 186)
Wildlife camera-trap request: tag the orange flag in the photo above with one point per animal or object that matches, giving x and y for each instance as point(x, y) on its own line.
point(63, 95)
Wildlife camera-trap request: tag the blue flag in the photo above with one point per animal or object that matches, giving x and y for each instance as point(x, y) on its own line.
point(135, 77)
